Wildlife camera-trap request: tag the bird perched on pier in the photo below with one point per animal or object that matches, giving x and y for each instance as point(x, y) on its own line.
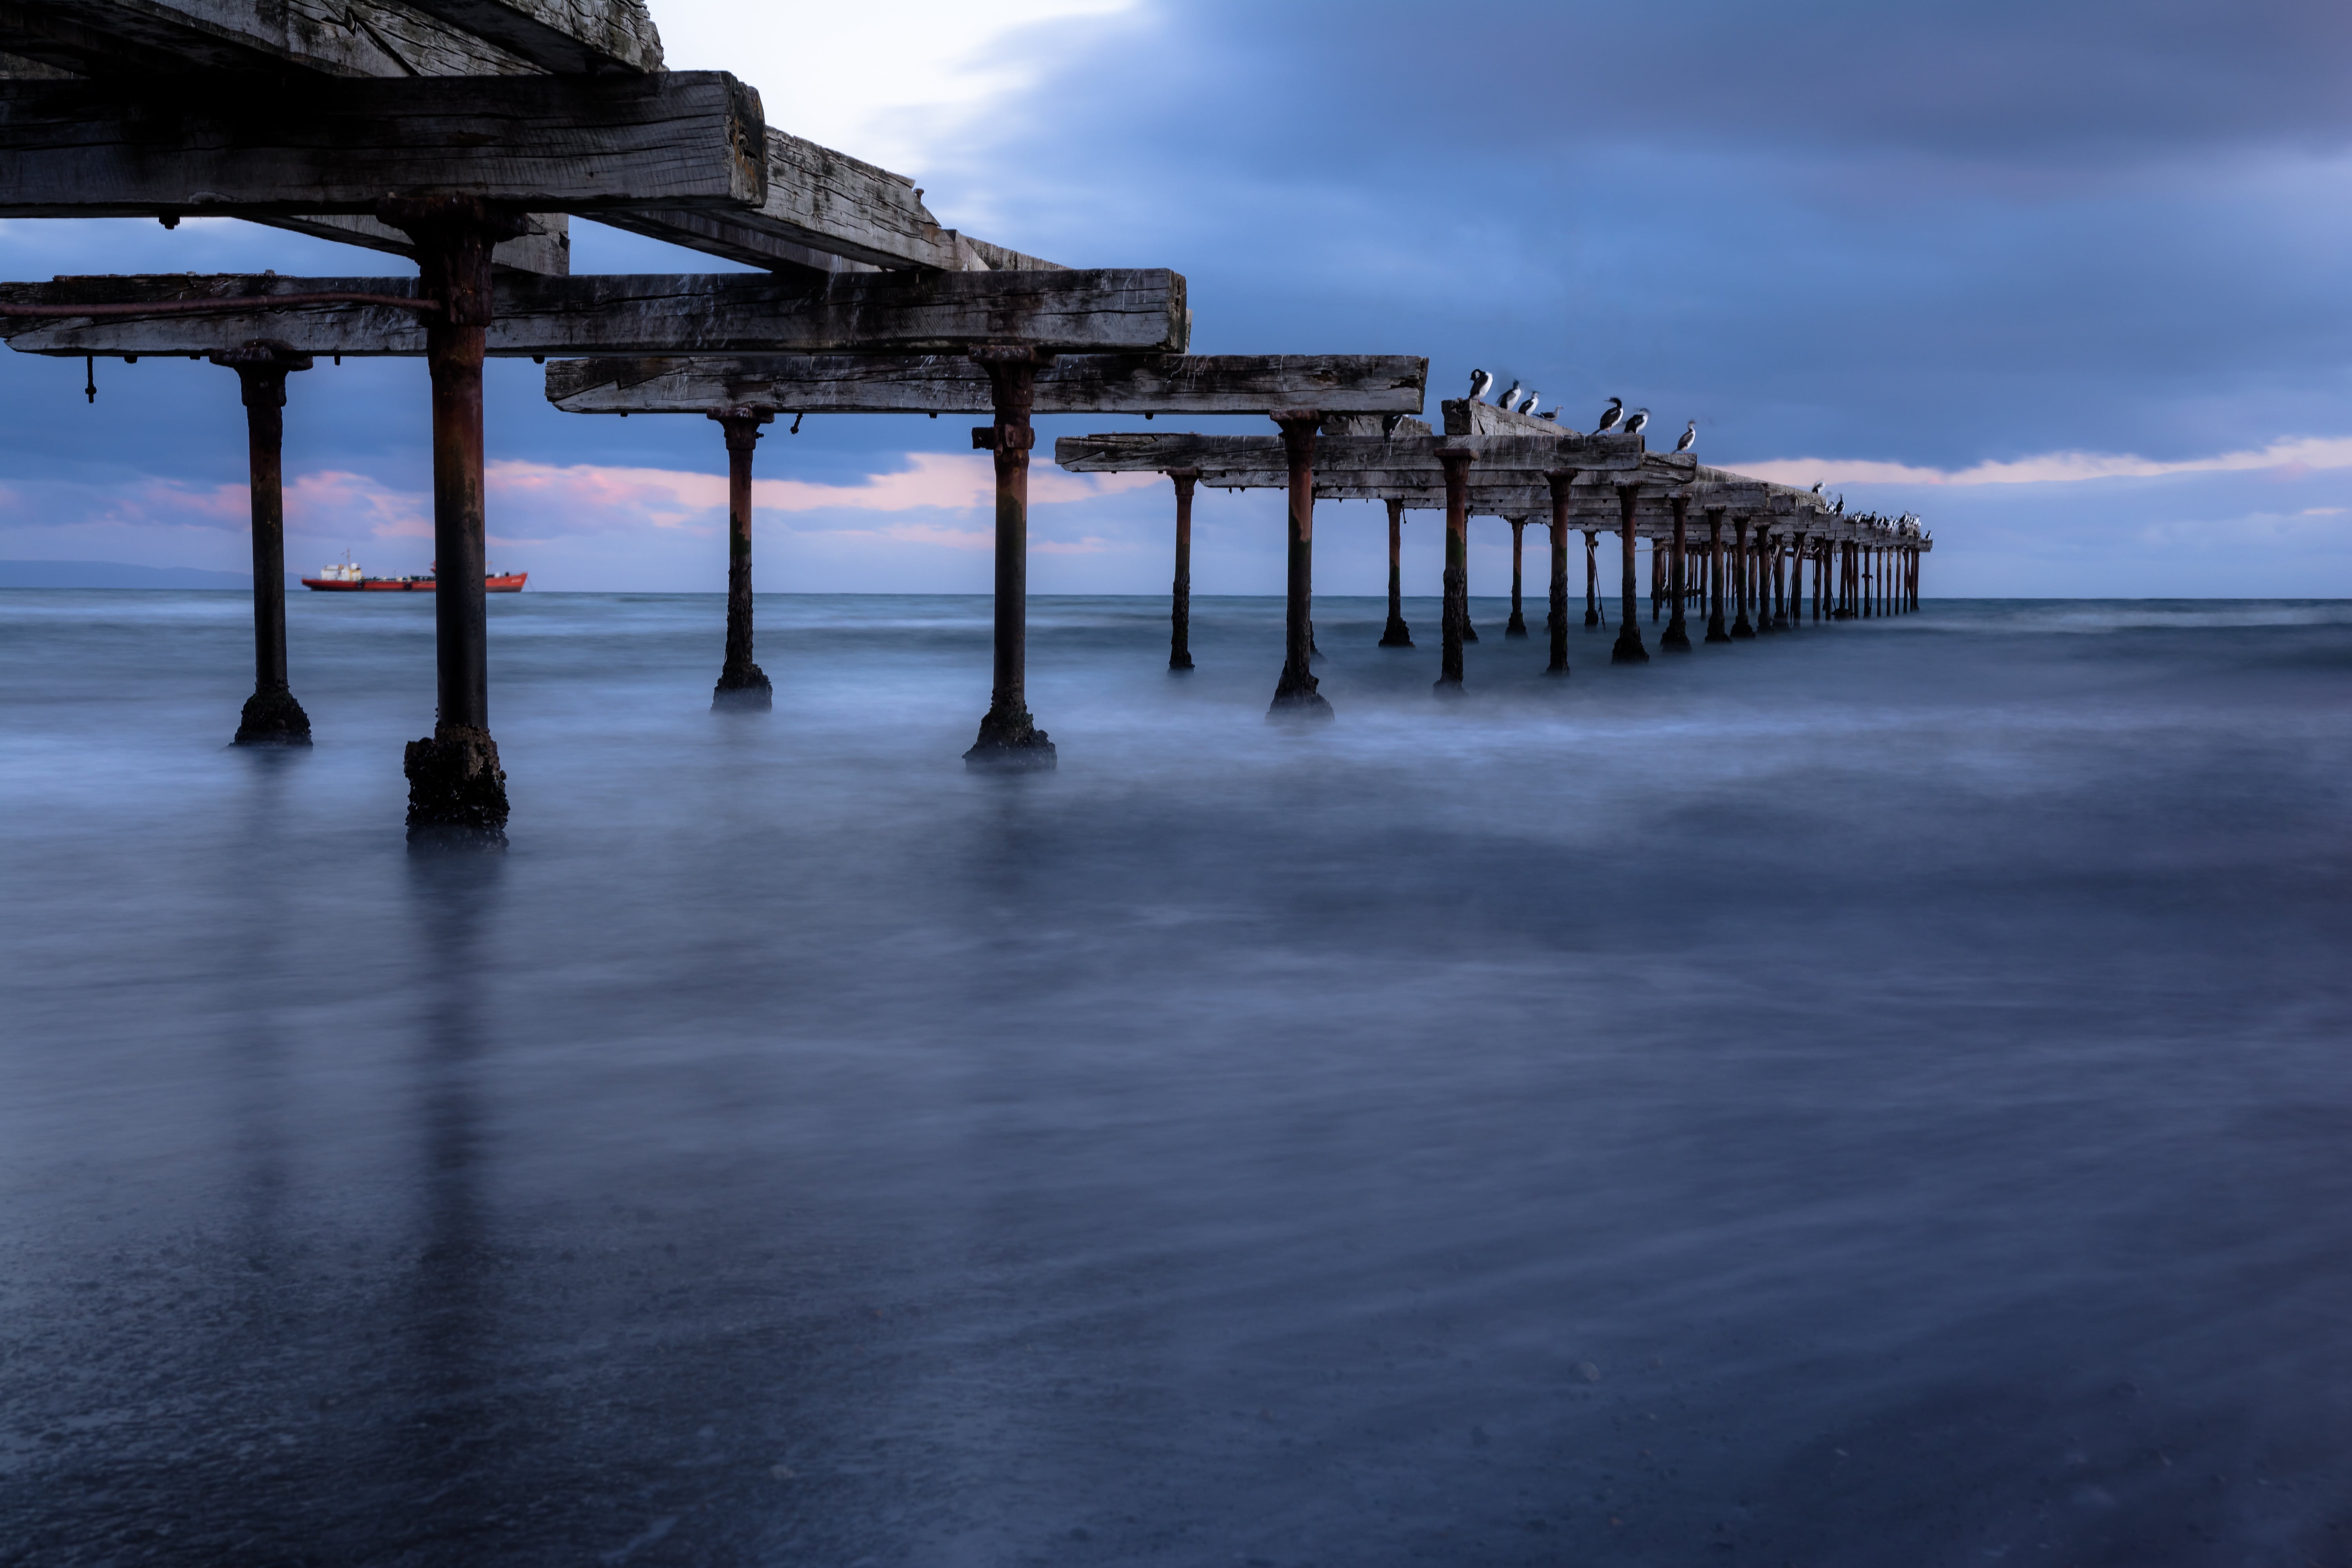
point(1837, 507)
point(1634, 426)
point(1510, 397)
point(1610, 415)
point(1479, 381)
point(1550, 413)
point(1818, 484)
point(1690, 436)
point(1527, 404)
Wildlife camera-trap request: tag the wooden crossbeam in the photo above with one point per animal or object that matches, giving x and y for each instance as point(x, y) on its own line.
point(690, 139)
point(937, 384)
point(547, 248)
point(1401, 462)
point(725, 314)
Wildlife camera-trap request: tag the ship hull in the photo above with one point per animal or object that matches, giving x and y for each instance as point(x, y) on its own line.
point(511, 583)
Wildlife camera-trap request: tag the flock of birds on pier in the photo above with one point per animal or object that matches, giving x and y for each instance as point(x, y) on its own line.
point(1613, 420)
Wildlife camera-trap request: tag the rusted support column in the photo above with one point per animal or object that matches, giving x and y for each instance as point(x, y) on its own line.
point(1740, 576)
point(1396, 633)
point(1295, 696)
point(456, 790)
point(1657, 580)
point(271, 717)
point(1767, 547)
point(741, 682)
point(1914, 577)
point(1869, 584)
point(1180, 612)
point(1455, 461)
point(1557, 623)
point(1009, 737)
point(1715, 585)
point(1779, 584)
point(1517, 627)
point(1591, 579)
point(1677, 635)
point(1628, 648)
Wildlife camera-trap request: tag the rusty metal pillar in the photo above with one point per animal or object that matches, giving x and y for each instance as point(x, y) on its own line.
point(456, 790)
point(1714, 584)
point(1796, 580)
point(1180, 599)
point(1009, 737)
point(1657, 580)
point(1396, 633)
point(1455, 461)
point(271, 716)
point(741, 683)
point(1592, 617)
point(1628, 648)
point(1557, 623)
point(1295, 696)
point(1677, 633)
point(1740, 627)
point(1517, 627)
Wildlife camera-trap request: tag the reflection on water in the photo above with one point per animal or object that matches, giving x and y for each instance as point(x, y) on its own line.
point(1871, 1095)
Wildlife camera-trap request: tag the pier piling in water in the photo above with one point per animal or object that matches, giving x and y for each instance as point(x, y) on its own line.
point(1396, 633)
point(1742, 579)
point(1677, 633)
point(1561, 480)
point(1179, 596)
point(1009, 737)
point(271, 716)
point(1295, 696)
point(1455, 463)
point(1517, 627)
point(456, 790)
point(743, 684)
point(1628, 648)
point(1716, 586)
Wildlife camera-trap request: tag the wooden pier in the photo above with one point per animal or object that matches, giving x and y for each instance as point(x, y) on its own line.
point(463, 135)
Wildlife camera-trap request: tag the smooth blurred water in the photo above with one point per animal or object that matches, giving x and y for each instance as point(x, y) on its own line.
point(1875, 1095)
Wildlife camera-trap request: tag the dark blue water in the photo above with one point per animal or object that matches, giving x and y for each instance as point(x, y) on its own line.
point(1877, 1095)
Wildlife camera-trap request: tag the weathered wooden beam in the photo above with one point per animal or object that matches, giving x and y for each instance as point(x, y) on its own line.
point(547, 248)
point(725, 314)
point(590, 38)
point(939, 384)
point(691, 139)
point(827, 201)
point(1369, 460)
point(1464, 417)
point(152, 39)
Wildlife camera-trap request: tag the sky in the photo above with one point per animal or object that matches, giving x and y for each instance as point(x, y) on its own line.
point(2071, 281)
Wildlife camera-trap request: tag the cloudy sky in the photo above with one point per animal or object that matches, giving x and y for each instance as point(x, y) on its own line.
point(2071, 280)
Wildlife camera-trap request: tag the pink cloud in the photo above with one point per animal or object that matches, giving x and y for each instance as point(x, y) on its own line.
point(2060, 468)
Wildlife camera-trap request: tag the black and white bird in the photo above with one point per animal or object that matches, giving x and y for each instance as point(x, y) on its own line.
point(1634, 426)
point(1527, 404)
point(1479, 381)
point(1818, 484)
point(1837, 508)
point(1610, 415)
point(1690, 436)
point(1550, 413)
point(1510, 398)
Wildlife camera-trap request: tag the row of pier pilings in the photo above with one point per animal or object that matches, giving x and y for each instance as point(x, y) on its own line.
point(1747, 579)
point(458, 788)
point(1744, 578)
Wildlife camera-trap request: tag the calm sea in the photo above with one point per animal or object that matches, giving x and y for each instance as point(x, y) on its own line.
point(1880, 1095)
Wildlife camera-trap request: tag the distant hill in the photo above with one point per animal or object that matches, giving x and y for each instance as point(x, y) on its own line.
point(117, 574)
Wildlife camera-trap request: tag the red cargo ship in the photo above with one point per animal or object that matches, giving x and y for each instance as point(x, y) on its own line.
point(345, 577)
